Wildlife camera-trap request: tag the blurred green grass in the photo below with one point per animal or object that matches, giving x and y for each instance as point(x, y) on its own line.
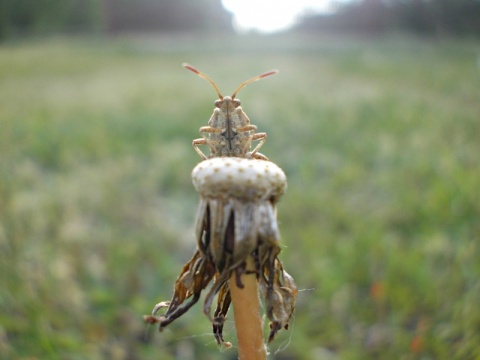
point(380, 224)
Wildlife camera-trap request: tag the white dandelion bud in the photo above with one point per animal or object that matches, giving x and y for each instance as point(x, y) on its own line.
point(240, 178)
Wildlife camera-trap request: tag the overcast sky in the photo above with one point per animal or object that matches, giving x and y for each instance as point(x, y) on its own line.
point(272, 15)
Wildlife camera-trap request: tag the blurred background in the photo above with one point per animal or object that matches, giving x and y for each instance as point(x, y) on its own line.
point(374, 117)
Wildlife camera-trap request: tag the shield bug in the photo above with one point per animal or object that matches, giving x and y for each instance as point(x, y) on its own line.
point(229, 131)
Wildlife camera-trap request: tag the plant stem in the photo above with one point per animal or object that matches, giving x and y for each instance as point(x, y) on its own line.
point(248, 320)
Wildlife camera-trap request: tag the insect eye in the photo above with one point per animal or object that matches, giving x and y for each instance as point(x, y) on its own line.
point(218, 103)
point(236, 102)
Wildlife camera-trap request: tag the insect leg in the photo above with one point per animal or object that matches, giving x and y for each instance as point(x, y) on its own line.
point(204, 140)
point(195, 144)
point(210, 130)
point(254, 153)
point(249, 127)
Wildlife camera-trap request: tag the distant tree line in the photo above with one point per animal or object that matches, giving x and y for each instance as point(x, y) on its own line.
point(166, 15)
point(31, 17)
point(26, 17)
point(426, 17)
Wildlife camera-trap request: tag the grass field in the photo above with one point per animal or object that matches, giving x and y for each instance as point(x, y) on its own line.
point(380, 141)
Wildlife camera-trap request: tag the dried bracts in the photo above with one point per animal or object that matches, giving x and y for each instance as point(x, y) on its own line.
point(236, 218)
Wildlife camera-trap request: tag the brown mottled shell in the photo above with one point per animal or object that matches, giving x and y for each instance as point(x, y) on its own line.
point(241, 178)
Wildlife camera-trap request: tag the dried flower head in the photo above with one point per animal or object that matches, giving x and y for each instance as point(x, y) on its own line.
point(236, 218)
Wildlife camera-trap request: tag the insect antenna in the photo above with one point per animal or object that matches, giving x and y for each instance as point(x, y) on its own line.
point(202, 75)
point(255, 78)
